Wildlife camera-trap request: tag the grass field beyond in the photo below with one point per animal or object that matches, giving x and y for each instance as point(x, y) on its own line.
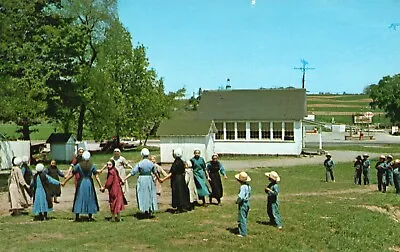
point(317, 216)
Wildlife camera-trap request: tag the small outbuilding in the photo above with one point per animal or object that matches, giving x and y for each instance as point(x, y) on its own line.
point(62, 146)
point(188, 134)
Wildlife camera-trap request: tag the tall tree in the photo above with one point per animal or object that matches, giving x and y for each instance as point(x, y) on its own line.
point(386, 95)
point(93, 17)
point(27, 26)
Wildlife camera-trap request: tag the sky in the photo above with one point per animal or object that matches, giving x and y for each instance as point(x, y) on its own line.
point(257, 43)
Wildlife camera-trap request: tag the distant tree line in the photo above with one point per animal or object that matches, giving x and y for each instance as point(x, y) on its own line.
point(73, 63)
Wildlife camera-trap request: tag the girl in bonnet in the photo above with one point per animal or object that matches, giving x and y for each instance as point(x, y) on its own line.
point(272, 191)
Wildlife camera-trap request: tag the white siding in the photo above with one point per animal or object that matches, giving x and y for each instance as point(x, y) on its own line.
point(188, 144)
point(21, 148)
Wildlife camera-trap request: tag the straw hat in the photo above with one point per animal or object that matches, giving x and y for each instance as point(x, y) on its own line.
point(242, 176)
point(145, 152)
point(328, 154)
point(365, 155)
point(86, 155)
point(39, 167)
point(396, 161)
point(389, 156)
point(382, 157)
point(273, 175)
point(117, 150)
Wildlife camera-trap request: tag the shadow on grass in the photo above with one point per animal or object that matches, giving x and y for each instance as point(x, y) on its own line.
point(233, 230)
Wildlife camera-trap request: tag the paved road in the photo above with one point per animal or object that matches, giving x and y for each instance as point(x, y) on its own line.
point(338, 156)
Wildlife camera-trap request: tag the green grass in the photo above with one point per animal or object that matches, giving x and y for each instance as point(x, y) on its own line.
point(43, 131)
point(317, 216)
point(374, 148)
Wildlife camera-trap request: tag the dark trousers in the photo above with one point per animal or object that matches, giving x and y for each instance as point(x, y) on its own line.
point(381, 182)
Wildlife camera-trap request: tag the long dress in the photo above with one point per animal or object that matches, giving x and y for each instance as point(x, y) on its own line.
point(41, 193)
point(191, 184)
point(116, 197)
point(199, 166)
point(76, 160)
point(160, 171)
point(55, 173)
point(17, 194)
point(180, 191)
point(120, 165)
point(214, 169)
point(85, 200)
point(145, 189)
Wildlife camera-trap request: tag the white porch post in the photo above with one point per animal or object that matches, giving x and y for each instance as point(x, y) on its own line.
point(320, 138)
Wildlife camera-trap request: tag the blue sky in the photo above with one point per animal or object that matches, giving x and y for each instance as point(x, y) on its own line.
point(201, 43)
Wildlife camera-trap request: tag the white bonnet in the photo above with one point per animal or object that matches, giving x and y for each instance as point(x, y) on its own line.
point(178, 152)
point(39, 167)
point(86, 155)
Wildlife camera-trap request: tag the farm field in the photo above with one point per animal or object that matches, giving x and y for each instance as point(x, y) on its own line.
point(317, 216)
point(342, 107)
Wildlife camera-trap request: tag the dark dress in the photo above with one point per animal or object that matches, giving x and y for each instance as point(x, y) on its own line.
point(180, 191)
point(116, 197)
point(85, 200)
point(55, 173)
point(214, 169)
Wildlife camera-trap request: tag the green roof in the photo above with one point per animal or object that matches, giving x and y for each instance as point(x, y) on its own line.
point(186, 124)
point(255, 104)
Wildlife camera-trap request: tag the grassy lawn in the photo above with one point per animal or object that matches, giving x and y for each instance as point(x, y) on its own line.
point(374, 148)
point(317, 216)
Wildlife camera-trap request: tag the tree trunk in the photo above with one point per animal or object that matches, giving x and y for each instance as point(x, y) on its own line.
point(79, 133)
point(26, 132)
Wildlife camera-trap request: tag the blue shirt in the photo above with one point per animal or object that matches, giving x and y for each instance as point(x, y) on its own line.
point(144, 167)
point(244, 193)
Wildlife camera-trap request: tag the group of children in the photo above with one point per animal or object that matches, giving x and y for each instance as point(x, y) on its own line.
point(362, 164)
point(388, 173)
point(243, 201)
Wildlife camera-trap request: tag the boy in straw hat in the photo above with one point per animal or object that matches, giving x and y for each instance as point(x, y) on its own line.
point(329, 165)
point(381, 173)
point(272, 190)
point(243, 202)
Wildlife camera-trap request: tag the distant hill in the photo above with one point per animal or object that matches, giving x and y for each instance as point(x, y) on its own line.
point(342, 108)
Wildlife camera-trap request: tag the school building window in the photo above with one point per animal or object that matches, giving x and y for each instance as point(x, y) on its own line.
point(241, 130)
point(265, 130)
point(230, 130)
point(254, 130)
point(277, 131)
point(220, 130)
point(289, 131)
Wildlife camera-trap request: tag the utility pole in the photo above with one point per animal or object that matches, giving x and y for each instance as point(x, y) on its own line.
point(304, 68)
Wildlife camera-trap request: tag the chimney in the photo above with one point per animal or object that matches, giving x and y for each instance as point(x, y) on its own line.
point(228, 84)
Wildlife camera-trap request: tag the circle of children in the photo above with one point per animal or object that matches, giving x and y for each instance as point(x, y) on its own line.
point(387, 171)
point(188, 184)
